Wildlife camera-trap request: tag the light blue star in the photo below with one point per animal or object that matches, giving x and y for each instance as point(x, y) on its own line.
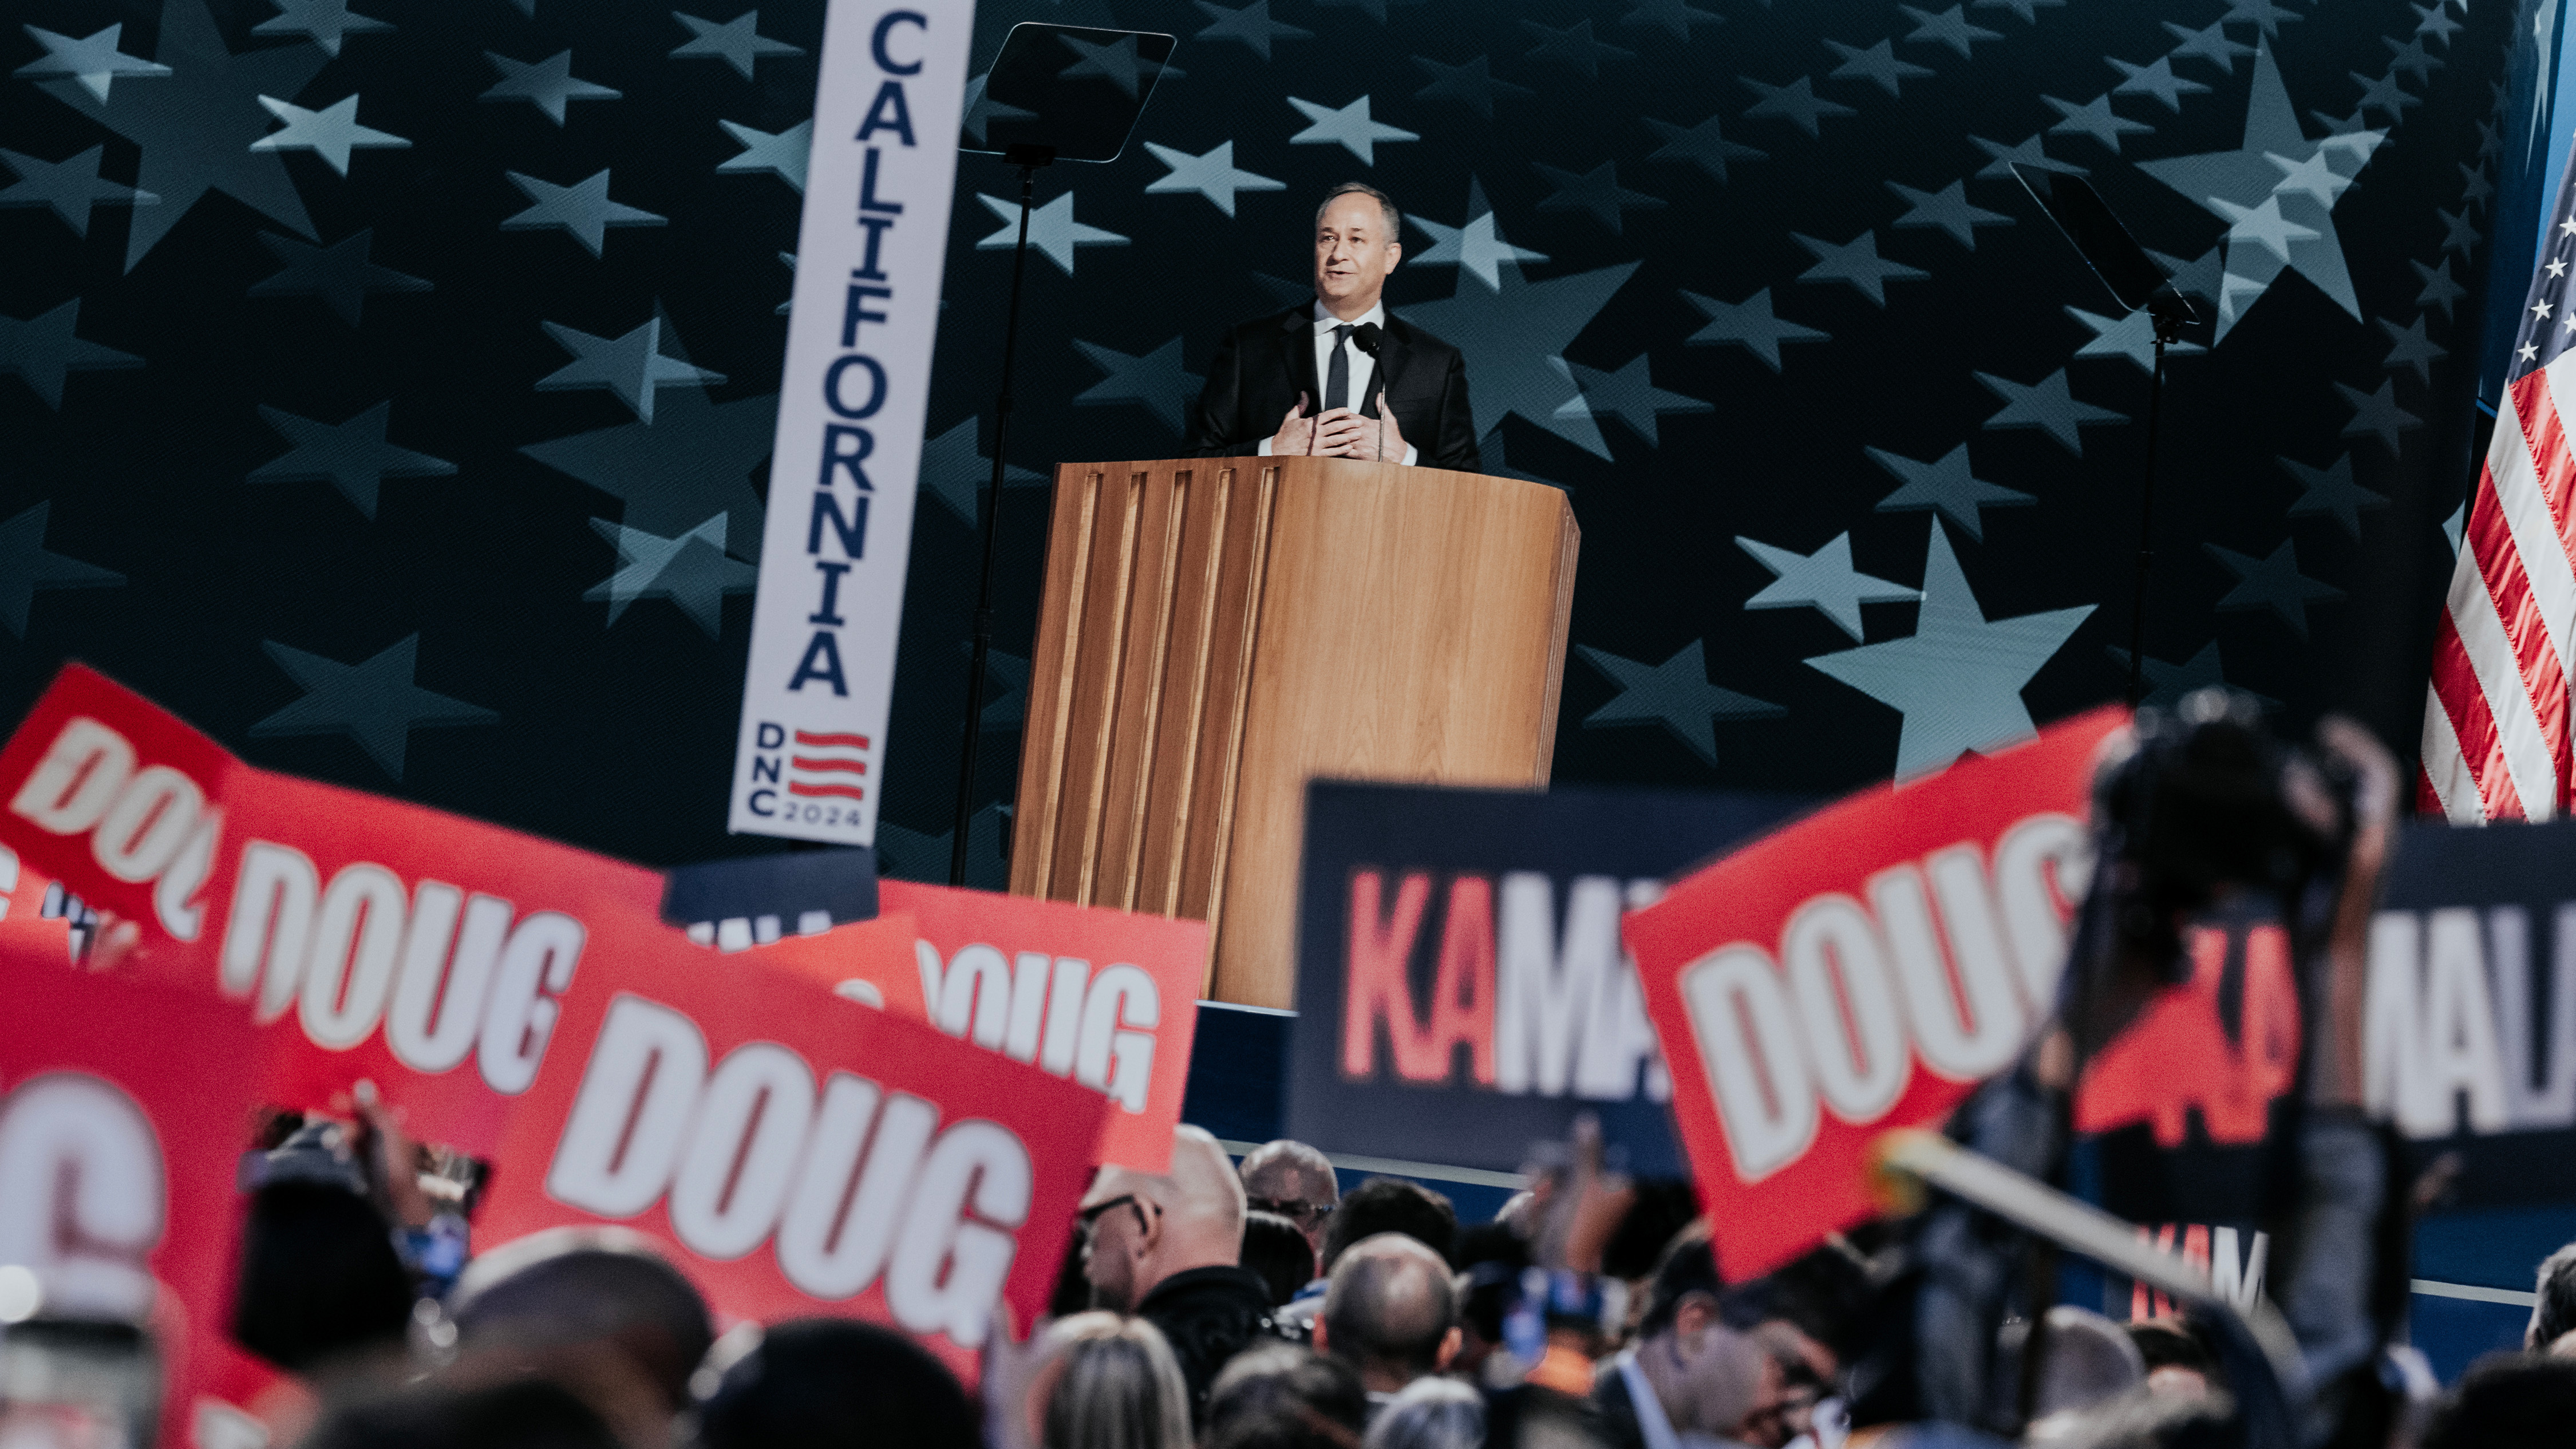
point(93, 61)
point(783, 155)
point(2168, 684)
point(1596, 192)
point(2156, 80)
point(330, 133)
point(2096, 119)
point(2262, 14)
point(2028, 10)
point(322, 21)
point(1749, 324)
point(352, 456)
point(1796, 103)
point(2410, 347)
point(1856, 261)
point(1349, 128)
point(1950, 28)
point(1878, 65)
point(737, 42)
point(1946, 486)
point(694, 458)
point(546, 84)
point(1053, 233)
point(956, 472)
point(1251, 25)
point(1513, 340)
point(2440, 289)
point(2412, 57)
point(2457, 234)
point(69, 187)
point(1674, 17)
point(2435, 20)
point(1824, 580)
point(339, 274)
point(1471, 84)
point(2002, 159)
point(1212, 175)
point(692, 571)
point(2331, 490)
point(2376, 414)
point(631, 366)
point(2048, 406)
point(582, 209)
point(374, 703)
point(2131, 335)
point(2212, 44)
point(41, 349)
point(1948, 209)
point(1958, 678)
point(1630, 395)
point(26, 565)
point(1574, 47)
point(1476, 249)
point(1675, 694)
point(1157, 379)
point(196, 128)
point(2384, 94)
point(1701, 145)
point(1121, 63)
point(2272, 582)
point(2276, 222)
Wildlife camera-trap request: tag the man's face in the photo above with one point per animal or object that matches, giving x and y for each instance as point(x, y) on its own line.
point(1281, 1186)
point(1802, 1370)
point(1353, 253)
point(1112, 1254)
point(1715, 1366)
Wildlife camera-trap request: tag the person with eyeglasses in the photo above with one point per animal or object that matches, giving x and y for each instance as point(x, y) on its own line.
point(1295, 1181)
point(1165, 1248)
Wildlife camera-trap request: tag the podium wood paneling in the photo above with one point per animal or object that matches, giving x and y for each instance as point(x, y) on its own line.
point(1215, 631)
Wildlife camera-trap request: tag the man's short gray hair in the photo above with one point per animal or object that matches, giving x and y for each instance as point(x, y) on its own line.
point(1385, 203)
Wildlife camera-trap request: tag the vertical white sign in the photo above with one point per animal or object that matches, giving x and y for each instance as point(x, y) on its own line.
point(851, 407)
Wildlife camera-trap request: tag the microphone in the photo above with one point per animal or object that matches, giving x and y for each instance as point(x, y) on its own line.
point(1366, 337)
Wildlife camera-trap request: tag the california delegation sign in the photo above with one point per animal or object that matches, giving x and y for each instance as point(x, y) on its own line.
point(809, 760)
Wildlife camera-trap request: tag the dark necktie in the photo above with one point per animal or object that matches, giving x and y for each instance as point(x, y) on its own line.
point(1337, 378)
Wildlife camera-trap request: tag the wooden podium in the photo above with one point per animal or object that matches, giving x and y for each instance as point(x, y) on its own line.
point(1216, 631)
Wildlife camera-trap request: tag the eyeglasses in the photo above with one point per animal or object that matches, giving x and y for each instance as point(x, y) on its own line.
point(1303, 1214)
point(1088, 1220)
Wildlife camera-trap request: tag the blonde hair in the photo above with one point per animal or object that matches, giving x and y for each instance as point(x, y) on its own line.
point(1113, 1384)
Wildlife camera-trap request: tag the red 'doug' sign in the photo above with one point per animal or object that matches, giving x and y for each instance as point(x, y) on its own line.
point(522, 1001)
point(1859, 971)
point(122, 1114)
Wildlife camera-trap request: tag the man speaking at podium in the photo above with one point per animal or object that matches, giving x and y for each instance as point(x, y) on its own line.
point(1338, 378)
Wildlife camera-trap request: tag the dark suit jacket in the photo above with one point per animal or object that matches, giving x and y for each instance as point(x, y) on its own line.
point(1263, 365)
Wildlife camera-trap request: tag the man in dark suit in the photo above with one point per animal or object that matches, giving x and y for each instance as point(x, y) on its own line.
point(1303, 381)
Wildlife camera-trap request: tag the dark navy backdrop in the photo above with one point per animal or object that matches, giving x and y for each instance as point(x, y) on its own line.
point(396, 453)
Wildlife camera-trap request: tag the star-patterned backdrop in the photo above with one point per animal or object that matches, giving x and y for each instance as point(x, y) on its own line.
point(387, 386)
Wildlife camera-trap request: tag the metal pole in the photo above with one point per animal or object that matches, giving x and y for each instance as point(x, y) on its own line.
point(2146, 528)
point(992, 545)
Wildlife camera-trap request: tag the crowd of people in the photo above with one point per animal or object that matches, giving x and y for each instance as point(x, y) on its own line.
point(1220, 1305)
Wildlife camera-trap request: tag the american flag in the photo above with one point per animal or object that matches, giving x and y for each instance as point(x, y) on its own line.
point(833, 775)
point(2496, 743)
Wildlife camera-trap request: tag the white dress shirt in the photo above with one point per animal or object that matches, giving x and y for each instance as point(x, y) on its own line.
point(1363, 367)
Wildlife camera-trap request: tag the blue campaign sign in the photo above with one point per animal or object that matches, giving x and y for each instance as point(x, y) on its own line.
point(1461, 988)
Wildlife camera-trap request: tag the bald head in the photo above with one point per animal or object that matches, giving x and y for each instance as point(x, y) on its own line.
point(1146, 1227)
point(1391, 1310)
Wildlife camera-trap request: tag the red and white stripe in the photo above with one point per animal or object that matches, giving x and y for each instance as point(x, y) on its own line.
point(2496, 726)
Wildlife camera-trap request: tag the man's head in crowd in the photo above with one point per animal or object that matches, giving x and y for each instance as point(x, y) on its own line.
point(319, 1278)
point(1432, 1413)
point(1275, 1249)
point(834, 1381)
point(1803, 1316)
point(1390, 1311)
point(2553, 1313)
point(596, 1310)
point(2508, 1401)
point(2178, 1364)
point(1391, 1205)
point(1296, 1182)
point(1281, 1396)
point(2085, 1360)
point(521, 1413)
point(1144, 1228)
point(1708, 1378)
